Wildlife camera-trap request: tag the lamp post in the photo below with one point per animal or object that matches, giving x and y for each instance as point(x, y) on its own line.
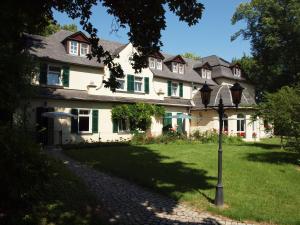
point(236, 93)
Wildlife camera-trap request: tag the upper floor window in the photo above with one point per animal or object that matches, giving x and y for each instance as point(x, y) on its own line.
point(237, 72)
point(159, 64)
point(74, 47)
point(121, 82)
point(174, 67)
point(84, 49)
point(206, 74)
point(152, 63)
point(54, 75)
point(138, 83)
point(174, 89)
point(181, 68)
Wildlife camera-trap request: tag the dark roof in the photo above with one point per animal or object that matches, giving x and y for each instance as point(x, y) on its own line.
point(71, 94)
point(224, 92)
point(52, 48)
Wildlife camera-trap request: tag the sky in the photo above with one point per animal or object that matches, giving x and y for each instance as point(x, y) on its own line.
point(211, 36)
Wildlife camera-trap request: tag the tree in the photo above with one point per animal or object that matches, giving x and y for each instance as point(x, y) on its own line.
point(191, 55)
point(273, 28)
point(282, 109)
point(144, 18)
point(53, 27)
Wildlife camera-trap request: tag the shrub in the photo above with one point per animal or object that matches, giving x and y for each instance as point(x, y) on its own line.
point(212, 136)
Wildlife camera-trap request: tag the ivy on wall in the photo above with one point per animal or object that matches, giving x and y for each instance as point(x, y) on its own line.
point(138, 114)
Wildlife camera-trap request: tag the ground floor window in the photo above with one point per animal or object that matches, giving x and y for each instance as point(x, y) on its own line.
point(241, 125)
point(225, 123)
point(84, 120)
point(121, 125)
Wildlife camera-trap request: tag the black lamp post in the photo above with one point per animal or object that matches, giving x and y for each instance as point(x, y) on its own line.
point(236, 93)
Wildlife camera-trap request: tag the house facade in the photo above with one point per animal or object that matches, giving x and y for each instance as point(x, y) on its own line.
point(69, 82)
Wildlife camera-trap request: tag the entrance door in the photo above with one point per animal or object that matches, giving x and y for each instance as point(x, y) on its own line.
point(45, 126)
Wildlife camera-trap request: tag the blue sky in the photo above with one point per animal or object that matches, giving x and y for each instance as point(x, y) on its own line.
point(210, 36)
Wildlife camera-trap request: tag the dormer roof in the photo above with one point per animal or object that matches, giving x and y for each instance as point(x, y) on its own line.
point(77, 36)
point(202, 64)
point(157, 55)
point(176, 58)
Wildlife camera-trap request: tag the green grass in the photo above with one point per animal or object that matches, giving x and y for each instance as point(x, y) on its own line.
point(64, 201)
point(261, 181)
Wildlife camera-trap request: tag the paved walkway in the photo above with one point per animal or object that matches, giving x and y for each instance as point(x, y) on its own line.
point(133, 205)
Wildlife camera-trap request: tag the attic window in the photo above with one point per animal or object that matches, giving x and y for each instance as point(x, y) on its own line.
point(84, 49)
point(181, 68)
point(159, 64)
point(74, 47)
point(155, 63)
point(236, 72)
point(205, 73)
point(175, 67)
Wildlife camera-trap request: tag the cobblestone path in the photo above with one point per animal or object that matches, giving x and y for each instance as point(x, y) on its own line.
point(133, 205)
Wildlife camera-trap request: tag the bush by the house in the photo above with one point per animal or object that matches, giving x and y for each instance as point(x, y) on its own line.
point(212, 136)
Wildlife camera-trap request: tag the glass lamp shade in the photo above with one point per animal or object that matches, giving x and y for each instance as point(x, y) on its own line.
point(236, 93)
point(205, 94)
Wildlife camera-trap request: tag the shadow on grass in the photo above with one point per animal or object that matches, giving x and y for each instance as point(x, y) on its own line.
point(149, 169)
point(261, 145)
point(275, 157)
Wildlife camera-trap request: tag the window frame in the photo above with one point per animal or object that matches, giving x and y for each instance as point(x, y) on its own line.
point(124, 82)
point(141, 82)
point(159, 62)
point(180, 68)
point(152, 60)
point(90, 120)
point(174, 67)
point(241, 122)
point(127, 126)
point(87, 49)
point(70, 47)
point(59, 76)
point(177, 89)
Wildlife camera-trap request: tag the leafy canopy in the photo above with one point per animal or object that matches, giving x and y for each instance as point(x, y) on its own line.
point(54, 27)
point(273, 28)
point(139, 114)
point(191, 55)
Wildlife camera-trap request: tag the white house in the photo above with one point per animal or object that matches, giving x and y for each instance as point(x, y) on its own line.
point(69, 82)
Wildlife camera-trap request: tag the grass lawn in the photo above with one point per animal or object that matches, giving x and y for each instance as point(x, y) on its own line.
point(261, 182)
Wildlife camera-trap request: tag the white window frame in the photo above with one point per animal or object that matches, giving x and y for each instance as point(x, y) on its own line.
point(174, 67)
point(60, 75)
point(90, 120)
point(151, 63)
point(127, 126)
point(177, 89)
point(140, 81)
point(70, 47)
point(237, 72)
point(208, 74)
point(159, 64)
point(87, 49)
point(180, 68)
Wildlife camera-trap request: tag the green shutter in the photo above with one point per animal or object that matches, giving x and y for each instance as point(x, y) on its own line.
point(169, 87)
point(43, 73)
point(74, 122)
point(181, 89)
point(65, 76)
point(146, 79)
point(115, 126)
point(130, 83)
point(179, 123)
point(167, 119)
point(95, 121)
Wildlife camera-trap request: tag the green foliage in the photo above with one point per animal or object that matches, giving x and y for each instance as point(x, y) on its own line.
point(282, 110)
point(273, 28)
point(191, 55)
point(138, 114)
point(213, 137)
point(166, 138)
point(54, 27)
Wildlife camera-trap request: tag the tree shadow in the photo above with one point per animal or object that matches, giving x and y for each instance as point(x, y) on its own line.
point(261, 145)
point(130, 202)
point(275, 157)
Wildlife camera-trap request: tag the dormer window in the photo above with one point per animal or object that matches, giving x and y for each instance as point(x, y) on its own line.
point(236, 72)
point(84, 49)
point(152, 63)
point(74, 47)
point(155, 63)
point(180, 68)
point(174, 67)
point(205, 73)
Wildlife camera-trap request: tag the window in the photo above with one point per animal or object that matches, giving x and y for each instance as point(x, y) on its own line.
point(240, 125)
point(84, 49)
point(138, 83)
point(159, 64)
point(175, 67)
point(121, 83)
point(74, 47)
point(123, 125)
point(174, 89)
point(54, 75)
point(206, 74)
point(181, 68)
point(84, 121)
point(225, 123)
point(152, 63)
point(236, 72)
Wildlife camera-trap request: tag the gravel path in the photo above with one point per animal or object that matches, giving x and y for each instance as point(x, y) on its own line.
point(131, 204)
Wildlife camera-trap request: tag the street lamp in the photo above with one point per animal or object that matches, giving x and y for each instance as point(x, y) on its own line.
point(236, 93)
